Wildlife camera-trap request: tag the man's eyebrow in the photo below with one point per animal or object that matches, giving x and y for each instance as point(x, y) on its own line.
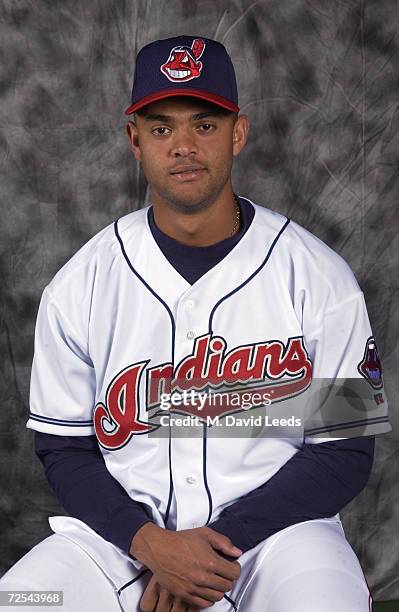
point(204, 115)
point(169, 119)
point(162, 118)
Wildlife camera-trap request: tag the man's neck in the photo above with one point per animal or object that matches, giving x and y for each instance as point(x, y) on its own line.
point(203, 228)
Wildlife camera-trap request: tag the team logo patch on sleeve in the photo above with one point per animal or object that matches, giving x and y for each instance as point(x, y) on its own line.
point(183, 63)
point(370, 366)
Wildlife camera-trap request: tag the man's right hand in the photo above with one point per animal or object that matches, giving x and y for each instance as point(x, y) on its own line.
point(187, 562)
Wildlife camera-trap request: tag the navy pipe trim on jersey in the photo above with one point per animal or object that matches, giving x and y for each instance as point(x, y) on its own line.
point(235, 608)
point(204, 466)
point(262, 265)
point(128, 584)
point(210, 327)
point(349, 425)
point(150, 289)
point(173, 324)
point(171, 485)
point(53, 421)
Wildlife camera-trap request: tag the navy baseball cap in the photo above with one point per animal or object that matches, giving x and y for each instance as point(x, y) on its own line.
point(184, 66)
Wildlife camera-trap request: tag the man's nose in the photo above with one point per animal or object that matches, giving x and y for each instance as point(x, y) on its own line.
point(183, 144)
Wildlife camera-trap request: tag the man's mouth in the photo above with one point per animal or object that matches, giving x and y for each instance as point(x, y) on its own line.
point(178, 74)
point(187, 173)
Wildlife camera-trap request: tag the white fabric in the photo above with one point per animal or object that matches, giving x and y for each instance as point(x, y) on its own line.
point(118, 312)
point(58, 564)
point(308, 567)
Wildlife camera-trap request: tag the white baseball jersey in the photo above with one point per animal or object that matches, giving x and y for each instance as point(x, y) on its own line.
point(118, 325)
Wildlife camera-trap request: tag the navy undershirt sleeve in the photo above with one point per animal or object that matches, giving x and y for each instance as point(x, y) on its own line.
point(76, 471)
point(317, 482)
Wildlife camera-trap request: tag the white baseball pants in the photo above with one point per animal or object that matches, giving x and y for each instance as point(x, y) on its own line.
point(309, 567)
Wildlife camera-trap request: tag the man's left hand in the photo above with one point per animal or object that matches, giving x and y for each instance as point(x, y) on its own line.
point(158, 599)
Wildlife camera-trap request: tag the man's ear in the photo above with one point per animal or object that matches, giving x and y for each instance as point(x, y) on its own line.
point(240, 133)
point(133, 135)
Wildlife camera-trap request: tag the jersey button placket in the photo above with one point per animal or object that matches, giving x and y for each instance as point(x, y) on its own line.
point(187, 452)
point(189, 305)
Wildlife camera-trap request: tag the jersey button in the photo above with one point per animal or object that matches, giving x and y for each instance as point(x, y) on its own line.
point(191, 480)
point(190, 335)
point(190, 304)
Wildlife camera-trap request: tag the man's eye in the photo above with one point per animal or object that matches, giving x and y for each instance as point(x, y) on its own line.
point(160, 131)
point(206, 127)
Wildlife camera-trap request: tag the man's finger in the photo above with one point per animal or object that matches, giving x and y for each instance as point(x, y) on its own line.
point(213, 581)
point(199, 603)
point(227, 569)
point(150, 596)
point(180, 606)
point(211, 595)
point(165, 601)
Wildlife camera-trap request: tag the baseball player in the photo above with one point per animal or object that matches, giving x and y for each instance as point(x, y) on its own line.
point(177, 383)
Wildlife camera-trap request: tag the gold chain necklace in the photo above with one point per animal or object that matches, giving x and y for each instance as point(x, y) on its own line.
point(237, 219)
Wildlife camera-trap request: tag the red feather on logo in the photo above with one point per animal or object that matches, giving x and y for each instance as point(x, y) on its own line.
point(198, 47)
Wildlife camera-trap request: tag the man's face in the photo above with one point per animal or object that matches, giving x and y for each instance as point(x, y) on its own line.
point(186, 149)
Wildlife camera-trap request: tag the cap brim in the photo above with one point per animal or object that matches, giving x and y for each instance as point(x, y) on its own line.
point(194, 93)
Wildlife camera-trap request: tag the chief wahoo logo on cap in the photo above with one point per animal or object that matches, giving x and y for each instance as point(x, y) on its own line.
point(183, 64)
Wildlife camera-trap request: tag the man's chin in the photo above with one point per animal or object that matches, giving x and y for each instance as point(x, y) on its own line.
point(191, 203)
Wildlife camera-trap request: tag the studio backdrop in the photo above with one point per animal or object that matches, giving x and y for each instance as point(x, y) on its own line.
point(319, 82)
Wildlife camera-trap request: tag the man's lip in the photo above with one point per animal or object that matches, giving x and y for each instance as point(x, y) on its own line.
point(182, 169)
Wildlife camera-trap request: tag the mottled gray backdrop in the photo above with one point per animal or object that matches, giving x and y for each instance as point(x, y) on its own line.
point(319, 81)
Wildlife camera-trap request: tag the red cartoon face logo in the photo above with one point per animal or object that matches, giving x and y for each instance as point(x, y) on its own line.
point(370, 366)
point(183, 64)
